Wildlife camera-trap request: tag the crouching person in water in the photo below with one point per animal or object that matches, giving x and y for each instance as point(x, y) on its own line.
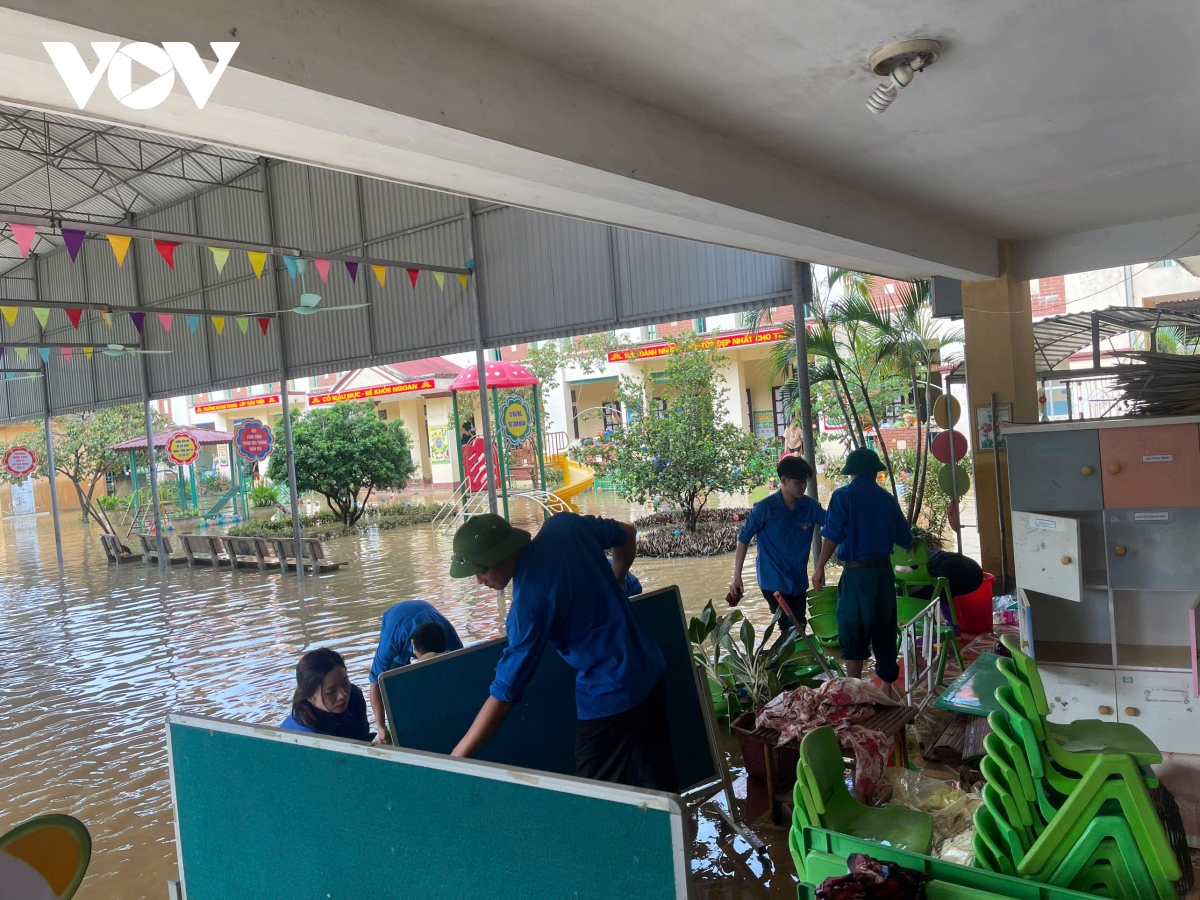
point(325, 702)
point(567, 596)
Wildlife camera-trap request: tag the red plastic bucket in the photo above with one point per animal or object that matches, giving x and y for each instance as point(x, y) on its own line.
point(974, 610)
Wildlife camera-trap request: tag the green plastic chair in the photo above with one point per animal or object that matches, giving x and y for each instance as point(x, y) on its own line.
point(824, 628)
point(1110, 843)
point(1093, 735)
point(994, 856)
point(824, 779)
point(823, 601)
point(907, 606)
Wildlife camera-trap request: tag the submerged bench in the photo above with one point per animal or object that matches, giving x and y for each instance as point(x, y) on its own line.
point(150, 550)
point(249, 553)
point(117, 552)
point(209, 544)
point(314, 555)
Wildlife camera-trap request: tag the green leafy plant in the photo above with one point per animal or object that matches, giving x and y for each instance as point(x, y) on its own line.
point(264, 494)
point(754, 670)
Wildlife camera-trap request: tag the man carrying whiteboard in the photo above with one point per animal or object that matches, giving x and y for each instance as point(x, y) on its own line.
point(568, 596)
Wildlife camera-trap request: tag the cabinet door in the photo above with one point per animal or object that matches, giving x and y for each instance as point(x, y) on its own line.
point(1152, 549)
point(1055, 470)
point(1194, 627)
point(1158, 465)
point(1073, 692)
point(1161, 705)
point(1046, 551)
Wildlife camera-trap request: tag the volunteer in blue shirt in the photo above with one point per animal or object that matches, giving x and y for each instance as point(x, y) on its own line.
point(784, 523)
point(396, 650)
point(565, 594)
point(325, 702)
point(864, 524)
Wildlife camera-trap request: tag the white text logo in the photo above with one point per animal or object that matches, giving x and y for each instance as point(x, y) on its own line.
point(165, 61)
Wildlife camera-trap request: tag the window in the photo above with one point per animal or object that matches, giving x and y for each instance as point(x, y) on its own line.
point(1162, 264)
point(699, 325)
point(889, 289)
point(612, 415)
point(382, 414)
point(650, 333)
point(1057, 405)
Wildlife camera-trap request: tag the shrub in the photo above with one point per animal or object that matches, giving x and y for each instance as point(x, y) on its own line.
point(264, 494)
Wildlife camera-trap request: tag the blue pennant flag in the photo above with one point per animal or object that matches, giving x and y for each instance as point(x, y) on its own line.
point(193, 323)
point(290, 262)
point(44, 353)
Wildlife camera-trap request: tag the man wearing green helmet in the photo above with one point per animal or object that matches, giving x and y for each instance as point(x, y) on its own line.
point(864, 524)
point(567, 595)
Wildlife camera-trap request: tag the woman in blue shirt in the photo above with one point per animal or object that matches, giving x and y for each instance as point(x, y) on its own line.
point(325, 702)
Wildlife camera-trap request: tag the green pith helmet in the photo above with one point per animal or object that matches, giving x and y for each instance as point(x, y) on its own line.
point(863, 461)
point(482, 542)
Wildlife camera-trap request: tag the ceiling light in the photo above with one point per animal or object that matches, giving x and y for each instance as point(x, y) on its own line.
point(899, 63)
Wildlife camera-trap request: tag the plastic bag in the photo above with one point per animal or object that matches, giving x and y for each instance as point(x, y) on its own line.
point(918, 791)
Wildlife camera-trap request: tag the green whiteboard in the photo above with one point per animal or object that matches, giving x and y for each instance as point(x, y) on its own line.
point(283, 815)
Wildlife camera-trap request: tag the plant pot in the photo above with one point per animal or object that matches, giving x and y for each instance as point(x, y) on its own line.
point(756, 743)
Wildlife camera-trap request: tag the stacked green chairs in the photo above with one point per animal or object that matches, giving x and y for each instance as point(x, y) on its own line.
point(1072, 812)
point(823, 601)
point(916, 563)
point(824, 628)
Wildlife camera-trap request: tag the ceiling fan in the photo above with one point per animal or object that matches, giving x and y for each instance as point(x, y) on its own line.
point(309, 303)
point(18, 376)
point(121, 349)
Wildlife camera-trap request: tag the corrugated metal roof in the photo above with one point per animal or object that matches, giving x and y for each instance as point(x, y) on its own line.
point(1058, 338)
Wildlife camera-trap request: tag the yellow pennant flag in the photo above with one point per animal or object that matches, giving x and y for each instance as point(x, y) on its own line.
point(120, 246)
point(219, 324)
point(107, 318)
point(243, 323)
point(220, 255)
point(257, 260)
point(10, 315)
point(380, 274)
point(462, 279)
point(440, 278)
point(87, 351)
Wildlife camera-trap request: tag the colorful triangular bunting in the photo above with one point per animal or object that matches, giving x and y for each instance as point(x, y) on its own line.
point(243, 323)
point(44, 353)
point(23, 235)
point(73, 238)
point(263, 322)
point(120, 246)
point(380, 274)
point(257, 261)
point(138, 319)
point(219, 324)
point(462, 279)
point(87, 351)
point(165, 319)
point(107, 317)
point(290, 262)
point(67, 353)
point(10, 315)
point(166, 250)
point(193, 322)
point(220, 256)
point(322, 269)
point(412, 275)
point(42, 315)
point(352, 268)
point(74, 315)
point(22, 352)
point(440, 278)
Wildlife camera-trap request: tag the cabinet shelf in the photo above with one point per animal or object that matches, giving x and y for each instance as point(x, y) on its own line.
point(1159, 656)
point(1073, 653)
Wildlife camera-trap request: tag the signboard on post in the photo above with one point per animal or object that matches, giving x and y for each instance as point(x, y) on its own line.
point(253, 440)
point(516, 420)
point(20, 461)
point(182, 448)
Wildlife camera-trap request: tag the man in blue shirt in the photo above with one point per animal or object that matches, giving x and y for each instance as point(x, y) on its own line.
point(864, 524)
point(784, 523)
point(567, 595)
point(395, 647)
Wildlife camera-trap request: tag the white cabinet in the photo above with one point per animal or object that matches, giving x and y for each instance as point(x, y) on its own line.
point(1046, 550)
point(1161, 705)
point(1078, 692)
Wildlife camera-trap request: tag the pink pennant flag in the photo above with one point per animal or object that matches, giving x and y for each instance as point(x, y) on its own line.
point(264, 321)
point(73, 238)
point(166, 249)
point(412, 275)
point(138, 318)
point(352, 268)
point(74, 315)
point(322, 269)
point(23, 235)
point(164, 319)
point(67, 352)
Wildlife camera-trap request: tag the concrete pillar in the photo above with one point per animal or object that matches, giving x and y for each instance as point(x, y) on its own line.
point(998, 320)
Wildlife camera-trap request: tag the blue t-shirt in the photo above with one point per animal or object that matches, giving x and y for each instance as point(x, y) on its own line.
point(565, 595)
point(350, 723)
point(784, 541)
point(865, 521)
point(631, 586)
point(395, 638)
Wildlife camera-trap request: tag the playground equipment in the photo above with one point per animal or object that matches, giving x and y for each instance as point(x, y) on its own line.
point(518, 428)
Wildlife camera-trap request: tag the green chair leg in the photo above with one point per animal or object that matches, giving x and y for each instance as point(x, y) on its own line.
point(1108, 840)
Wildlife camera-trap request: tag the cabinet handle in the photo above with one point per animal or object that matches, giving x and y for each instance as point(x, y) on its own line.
point(1086, 470)
point(1114, 468)
point(1104, 710)
point(1119, 550)
point(1132, 711)
point(1065, 560)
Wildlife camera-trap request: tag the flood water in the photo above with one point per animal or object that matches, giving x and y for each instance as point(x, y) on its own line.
point(94, 658)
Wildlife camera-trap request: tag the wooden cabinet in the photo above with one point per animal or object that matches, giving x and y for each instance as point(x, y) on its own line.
point(1055, 471)
point(1151, 466)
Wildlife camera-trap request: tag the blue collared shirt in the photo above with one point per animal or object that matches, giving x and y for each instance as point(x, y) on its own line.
point(565, 595)
point(784, 541)
point(865, 521)
point(395, 638)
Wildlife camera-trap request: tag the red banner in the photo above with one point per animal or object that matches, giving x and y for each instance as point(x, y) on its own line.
point(720, 342)
point(236, 404)
point(385, 390)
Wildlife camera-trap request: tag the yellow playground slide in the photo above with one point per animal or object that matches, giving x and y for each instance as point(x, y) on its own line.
point(576, 478)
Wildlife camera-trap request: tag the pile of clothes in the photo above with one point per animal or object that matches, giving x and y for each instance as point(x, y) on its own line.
point(874, 879)
point(841, 703)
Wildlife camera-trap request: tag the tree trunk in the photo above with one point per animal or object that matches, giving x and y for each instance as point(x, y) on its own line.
point(853, 417)
point(913, 509)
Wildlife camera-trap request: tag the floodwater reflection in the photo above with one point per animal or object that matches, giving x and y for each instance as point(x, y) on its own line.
point(94, 656)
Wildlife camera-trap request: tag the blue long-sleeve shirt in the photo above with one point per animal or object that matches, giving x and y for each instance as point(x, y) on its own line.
point(865, 521)
point(566, 596)
point(395, 637)
point(784, 541)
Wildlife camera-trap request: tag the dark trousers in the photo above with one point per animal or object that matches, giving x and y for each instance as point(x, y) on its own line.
point(632, 747)
point(795, 603)
point(866, 615)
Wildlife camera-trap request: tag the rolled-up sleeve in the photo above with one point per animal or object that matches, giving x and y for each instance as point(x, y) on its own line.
point(607, 531)
point(528, 626)
point(836, 518)
point(754, 524)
